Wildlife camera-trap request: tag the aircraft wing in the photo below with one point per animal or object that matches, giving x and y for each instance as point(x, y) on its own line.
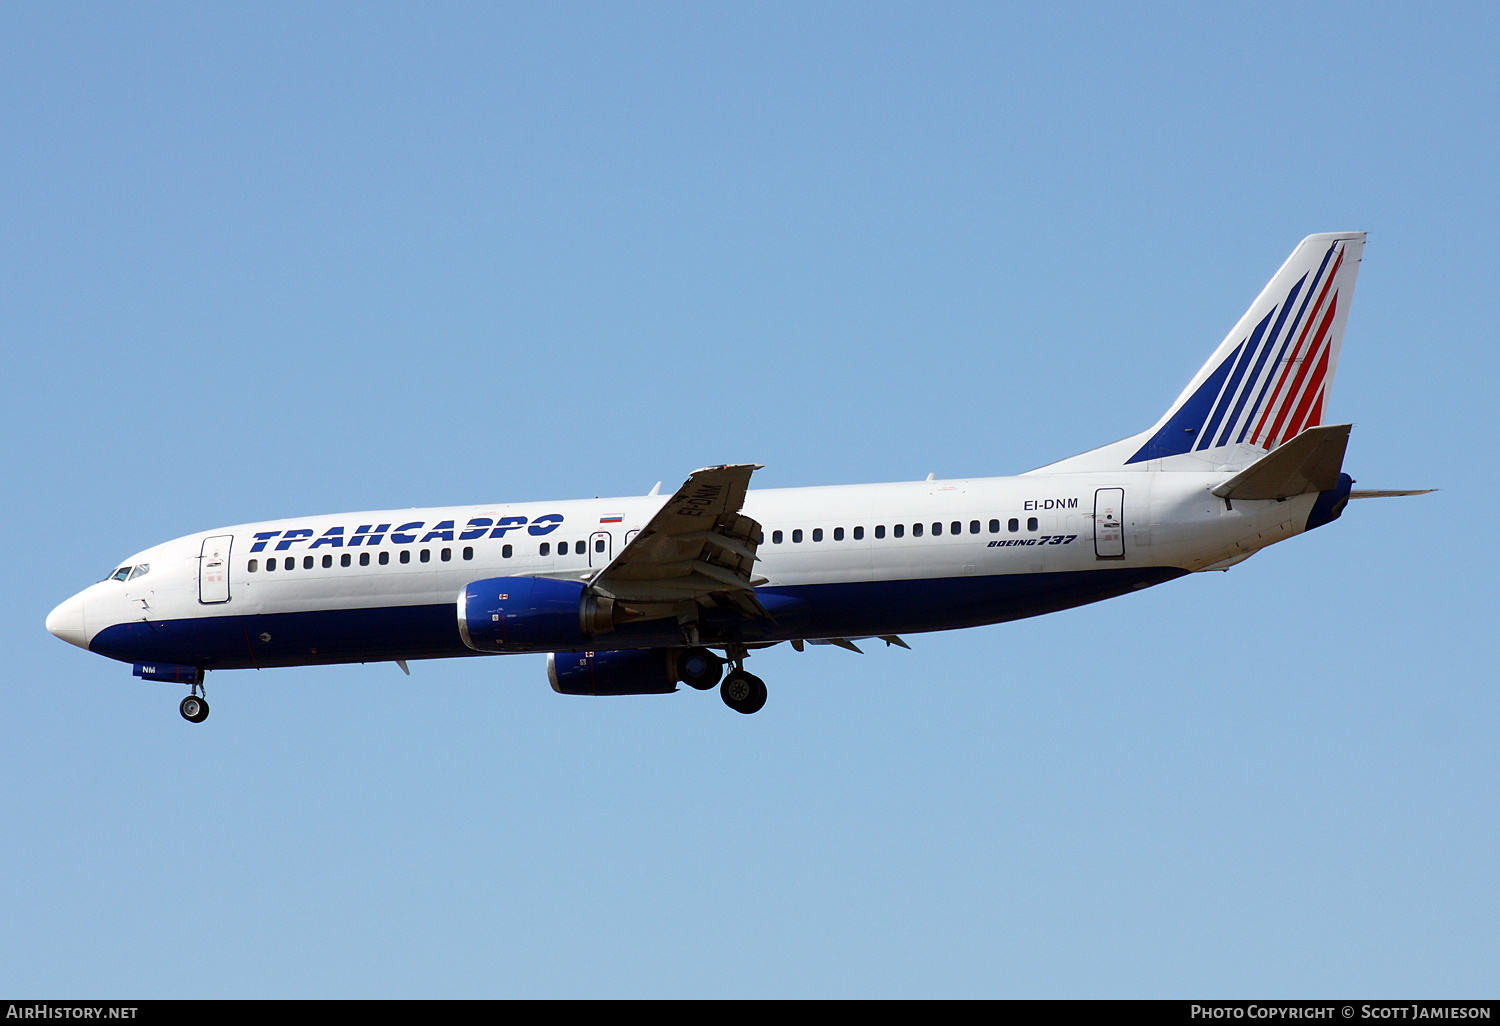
point(698, 548)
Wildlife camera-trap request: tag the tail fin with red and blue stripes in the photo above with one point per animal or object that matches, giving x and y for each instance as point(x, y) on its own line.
point(1269, 379)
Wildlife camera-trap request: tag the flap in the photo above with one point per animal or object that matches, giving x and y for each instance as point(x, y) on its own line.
point(696, 546)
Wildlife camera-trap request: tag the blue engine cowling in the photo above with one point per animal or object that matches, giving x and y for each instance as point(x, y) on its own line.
point(523, 614)
point(646, 671)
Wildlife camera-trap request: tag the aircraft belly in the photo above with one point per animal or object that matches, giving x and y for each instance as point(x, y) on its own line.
point(848, 609)
point(303, 638)
point(915, 606)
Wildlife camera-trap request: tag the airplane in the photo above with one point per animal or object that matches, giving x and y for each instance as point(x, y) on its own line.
point(636, 595)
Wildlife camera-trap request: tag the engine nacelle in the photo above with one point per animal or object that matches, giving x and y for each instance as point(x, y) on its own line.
point(646, 671)
point(529, 614)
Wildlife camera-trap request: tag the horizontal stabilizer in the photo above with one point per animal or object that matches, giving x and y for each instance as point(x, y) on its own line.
point(1370, 494)
point(1311, 462)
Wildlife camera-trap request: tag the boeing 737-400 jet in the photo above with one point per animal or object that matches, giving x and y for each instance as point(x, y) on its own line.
point(634, 595)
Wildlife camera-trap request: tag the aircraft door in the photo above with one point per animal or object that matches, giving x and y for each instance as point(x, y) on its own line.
point(601, 548)
point(1109, 523)
point(213, 569)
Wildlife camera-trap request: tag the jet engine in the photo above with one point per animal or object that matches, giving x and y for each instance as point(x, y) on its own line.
point(646, 671)
point(518, 614)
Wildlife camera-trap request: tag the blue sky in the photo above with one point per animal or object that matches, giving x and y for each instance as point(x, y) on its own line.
point(271, 261)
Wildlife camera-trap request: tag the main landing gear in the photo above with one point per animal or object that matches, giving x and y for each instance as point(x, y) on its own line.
point(699, 668)
point(743, 692)
point(194, 707)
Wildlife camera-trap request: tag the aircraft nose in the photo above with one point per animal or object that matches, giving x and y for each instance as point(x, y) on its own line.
point(66, 622)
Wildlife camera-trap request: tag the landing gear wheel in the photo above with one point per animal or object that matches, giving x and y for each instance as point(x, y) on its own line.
point(193, 709)
point(743, 692)
point(699, 668)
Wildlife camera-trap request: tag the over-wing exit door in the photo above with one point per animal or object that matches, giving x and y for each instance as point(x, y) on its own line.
point(1109, 523)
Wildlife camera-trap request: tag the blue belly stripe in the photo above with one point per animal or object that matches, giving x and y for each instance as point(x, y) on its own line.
point(860, 609)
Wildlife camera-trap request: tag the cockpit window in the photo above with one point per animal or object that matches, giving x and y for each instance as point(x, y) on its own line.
point(140, 571)
point(120, 574)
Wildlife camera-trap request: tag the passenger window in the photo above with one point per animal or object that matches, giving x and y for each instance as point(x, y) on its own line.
point(270, 565)
point(1014, 525)
point(859, 532)
point(797, 536)
point(345, 559)
point(838, 534)
point(426, 556)
point(546, 548)
point(899, 530)
point(1031, 523)
point(406, 555)
point(973, 527)
point(599, 545)
point(364, 559)
point(562, 548)
point(468, 552)
point(760, 539)
point(506, 552)
point(916, 530)
point(775, 537)
point(327, 561)
point(307, 562)
point(817, 534)
point(880, 530)
point(254, 566)
point(994, 527)
point(385, 557)
point(956, 527)
point(445, 555)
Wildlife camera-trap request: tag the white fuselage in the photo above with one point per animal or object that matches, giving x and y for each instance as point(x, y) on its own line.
point(917, 541)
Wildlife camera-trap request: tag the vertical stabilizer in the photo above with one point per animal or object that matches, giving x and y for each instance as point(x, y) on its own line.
point(1268, 380)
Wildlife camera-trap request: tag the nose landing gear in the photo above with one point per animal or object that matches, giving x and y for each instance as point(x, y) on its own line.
point(194, 707)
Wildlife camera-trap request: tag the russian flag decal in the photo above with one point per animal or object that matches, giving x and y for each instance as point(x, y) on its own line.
point(611, 520)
